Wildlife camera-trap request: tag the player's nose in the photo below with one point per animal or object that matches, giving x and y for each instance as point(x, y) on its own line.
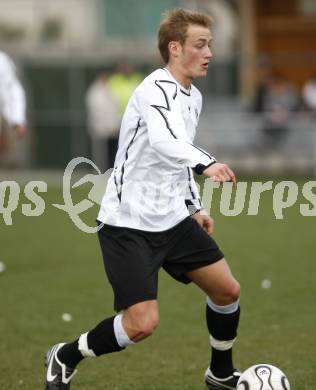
point(207, 54)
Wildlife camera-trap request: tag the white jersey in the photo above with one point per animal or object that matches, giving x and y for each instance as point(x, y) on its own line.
point(12, 96)
point(152, 180)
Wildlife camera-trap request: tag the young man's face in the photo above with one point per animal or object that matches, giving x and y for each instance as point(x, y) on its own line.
point(195, 54)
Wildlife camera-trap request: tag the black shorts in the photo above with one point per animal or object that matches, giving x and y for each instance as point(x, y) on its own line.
point(132, 258)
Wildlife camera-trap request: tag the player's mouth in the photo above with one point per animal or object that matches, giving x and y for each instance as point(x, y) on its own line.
point(205, 65)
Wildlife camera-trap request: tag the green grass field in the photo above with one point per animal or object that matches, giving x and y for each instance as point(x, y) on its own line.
point(53, 268)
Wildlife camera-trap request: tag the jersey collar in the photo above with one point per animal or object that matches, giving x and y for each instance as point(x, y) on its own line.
point(185, 91)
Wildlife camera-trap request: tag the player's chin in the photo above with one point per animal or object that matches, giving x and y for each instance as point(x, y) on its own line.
point(202, 72)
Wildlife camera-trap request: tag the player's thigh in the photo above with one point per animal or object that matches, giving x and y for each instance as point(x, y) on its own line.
point(217, 281)
point(130, 266)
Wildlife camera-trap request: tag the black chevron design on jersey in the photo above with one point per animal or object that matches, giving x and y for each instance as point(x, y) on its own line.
point(202, 151)
point(190, 187)
point(126, 157)
point(167, 107)
point(186, 93)
point(181, 90)
point(161, 110)
point(116, 185)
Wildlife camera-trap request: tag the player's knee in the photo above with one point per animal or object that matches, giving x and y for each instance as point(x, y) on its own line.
point(149, 326)
point(144, 326)
point(228, 295)
point(235, 292)
point(142, 321)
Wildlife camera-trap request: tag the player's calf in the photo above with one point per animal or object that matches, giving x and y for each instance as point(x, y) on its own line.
point(222, 322)
point(110, 335)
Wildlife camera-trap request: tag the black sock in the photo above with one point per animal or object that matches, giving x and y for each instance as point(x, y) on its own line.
point(222, 363)
point(70, 355)
point(222, 327)
point(101, 340)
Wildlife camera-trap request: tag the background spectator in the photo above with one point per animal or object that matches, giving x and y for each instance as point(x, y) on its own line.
point(12, 110)
point(123, 82)
point(103, 121)
point(276, 100)
point(309, 94)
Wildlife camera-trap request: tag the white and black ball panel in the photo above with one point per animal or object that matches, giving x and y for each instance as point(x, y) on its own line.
point(285, 383)
point(244, 385)
point(263, 377)
point(264, 373)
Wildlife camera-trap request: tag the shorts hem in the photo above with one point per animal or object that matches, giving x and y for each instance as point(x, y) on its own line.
point(182, 276)
point(125, 305)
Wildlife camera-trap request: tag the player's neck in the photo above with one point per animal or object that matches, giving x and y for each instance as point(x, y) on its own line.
point(179, 76)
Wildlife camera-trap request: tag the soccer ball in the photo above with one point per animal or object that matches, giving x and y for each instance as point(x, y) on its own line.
point(263, 377)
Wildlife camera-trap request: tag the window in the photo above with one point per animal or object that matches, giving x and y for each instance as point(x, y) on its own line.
point(133, 18)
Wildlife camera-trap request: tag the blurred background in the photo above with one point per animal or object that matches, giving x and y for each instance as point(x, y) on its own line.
point(259, 96)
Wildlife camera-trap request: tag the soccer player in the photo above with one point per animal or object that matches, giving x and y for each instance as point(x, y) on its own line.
point(12, 106)
point(153, 216)
point(12, 99)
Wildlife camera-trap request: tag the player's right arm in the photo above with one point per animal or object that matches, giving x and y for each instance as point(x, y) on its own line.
point(161, 111)
point(167, 135)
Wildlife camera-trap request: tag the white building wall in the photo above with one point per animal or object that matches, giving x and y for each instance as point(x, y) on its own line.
point(82, 32)
point(77, 18)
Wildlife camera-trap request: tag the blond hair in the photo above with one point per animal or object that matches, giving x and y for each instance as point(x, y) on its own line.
point(175, 25)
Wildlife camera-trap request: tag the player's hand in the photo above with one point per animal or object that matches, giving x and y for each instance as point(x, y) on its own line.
point(205, 221)
point(220, 173)
point(20, 130)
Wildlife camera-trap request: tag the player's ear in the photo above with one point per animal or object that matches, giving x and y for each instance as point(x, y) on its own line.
point(174, 48)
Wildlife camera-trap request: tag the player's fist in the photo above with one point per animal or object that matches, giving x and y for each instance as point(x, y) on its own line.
point(220, 172)
point(204, 220)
